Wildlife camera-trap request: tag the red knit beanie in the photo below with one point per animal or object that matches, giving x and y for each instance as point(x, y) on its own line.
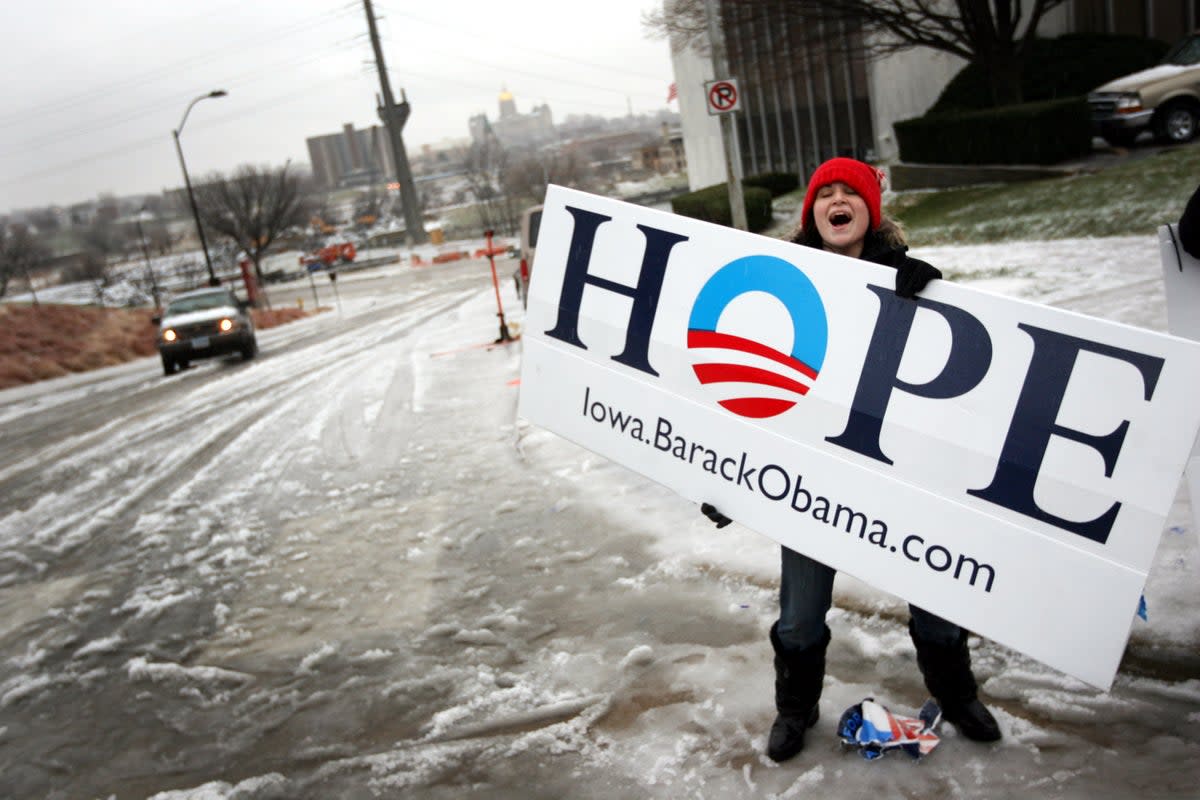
point(864, 179)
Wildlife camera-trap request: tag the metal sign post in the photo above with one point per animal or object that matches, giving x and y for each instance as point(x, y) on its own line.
point(505, 336)
point(725, 100)
point(313, 283)
point(336, 297)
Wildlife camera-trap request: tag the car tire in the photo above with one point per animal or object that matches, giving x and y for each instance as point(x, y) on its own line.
point(184, 364)
point(169, 366)
point(250, 350)
point(1176, 123)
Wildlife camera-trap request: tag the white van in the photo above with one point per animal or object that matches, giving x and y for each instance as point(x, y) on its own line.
point(531, 221)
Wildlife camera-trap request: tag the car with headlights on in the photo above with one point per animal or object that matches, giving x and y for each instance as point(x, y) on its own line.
point(202, 324)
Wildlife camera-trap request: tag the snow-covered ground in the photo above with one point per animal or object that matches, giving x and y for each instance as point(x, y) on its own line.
point(356, 574)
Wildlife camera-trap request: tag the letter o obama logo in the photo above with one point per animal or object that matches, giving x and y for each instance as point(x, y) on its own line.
point(746, 376)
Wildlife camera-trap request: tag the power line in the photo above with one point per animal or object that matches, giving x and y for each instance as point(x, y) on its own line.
point(208, 122)
point(506, 69)
point(458, 27)
point(114, 119)
point(211, 121)
point(261, 72)
point(490, 87)
point(69, 103)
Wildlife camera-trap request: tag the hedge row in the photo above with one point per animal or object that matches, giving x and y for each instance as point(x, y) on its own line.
point(1030, 133)
point(711, 204)
point(1070, 65)
point(777, 183)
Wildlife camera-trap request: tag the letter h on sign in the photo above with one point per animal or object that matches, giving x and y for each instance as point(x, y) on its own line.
point(644, 294)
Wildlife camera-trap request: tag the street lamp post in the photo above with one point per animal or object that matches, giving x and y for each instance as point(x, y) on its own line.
point(212, 276)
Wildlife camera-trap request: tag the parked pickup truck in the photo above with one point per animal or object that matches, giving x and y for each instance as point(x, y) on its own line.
point(1164, 99)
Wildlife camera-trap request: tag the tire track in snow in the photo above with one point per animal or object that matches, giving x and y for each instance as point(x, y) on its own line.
point(87, 508)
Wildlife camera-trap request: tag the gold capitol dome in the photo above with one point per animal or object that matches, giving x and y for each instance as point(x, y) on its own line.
point(508, 106)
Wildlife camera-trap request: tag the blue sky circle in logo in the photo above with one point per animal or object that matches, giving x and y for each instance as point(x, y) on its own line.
point(748, 362)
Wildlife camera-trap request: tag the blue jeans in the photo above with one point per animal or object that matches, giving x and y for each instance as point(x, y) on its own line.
point(806, 593)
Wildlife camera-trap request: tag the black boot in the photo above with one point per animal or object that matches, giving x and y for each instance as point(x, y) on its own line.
point(799, 676)
point(947, 672)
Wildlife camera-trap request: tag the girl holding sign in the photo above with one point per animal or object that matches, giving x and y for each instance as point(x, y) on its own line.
point(841, 214)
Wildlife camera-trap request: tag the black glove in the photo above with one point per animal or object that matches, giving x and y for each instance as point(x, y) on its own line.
point(1189, 226)
point(711, 512)
point(912, 276)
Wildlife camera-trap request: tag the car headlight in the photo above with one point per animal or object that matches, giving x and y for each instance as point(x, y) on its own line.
point(169, 335)
point(226, 325)
point(1128, 103)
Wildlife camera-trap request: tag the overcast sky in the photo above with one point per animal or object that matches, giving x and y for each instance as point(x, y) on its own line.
point(93, 90)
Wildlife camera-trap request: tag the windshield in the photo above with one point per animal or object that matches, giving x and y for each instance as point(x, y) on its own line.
point(535, 222)
point(200, 302)
point(1185, 53)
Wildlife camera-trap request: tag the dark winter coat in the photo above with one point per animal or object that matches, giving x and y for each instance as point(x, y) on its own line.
point(912, 274)
point(884, 246)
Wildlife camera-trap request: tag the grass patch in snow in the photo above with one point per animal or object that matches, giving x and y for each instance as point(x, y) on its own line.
point(1132, 198)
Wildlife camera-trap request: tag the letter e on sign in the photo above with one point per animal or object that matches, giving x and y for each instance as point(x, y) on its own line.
point(723, 96)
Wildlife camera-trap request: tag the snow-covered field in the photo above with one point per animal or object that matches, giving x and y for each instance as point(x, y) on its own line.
point(361, 576)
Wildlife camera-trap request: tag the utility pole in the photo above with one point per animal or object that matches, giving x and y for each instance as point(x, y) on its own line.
point(394, 117)
point(733, 156)
point(187, 181)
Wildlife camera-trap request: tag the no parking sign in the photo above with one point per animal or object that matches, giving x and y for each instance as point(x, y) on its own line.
point(723, 96)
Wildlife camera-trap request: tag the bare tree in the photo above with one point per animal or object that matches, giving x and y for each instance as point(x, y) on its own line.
point(190, 270)
point(101, 241)
point(486, 166)
point(46, 220)
point(140, 237)
point(994, 34)
point(369, 207)
point(253, 208)
point(432, 196)
point(20, 254)
point(528, 177)
point(368, 210)
point(159, 238)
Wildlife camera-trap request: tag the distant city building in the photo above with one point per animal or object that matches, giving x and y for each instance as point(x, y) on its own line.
point(447, 155)
point(440, 172)
point(83, 214)
point(665, 156)
point(351, 158)
point(512, 128)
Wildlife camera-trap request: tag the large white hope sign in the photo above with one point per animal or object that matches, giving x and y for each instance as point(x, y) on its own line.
point(1005, 465)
